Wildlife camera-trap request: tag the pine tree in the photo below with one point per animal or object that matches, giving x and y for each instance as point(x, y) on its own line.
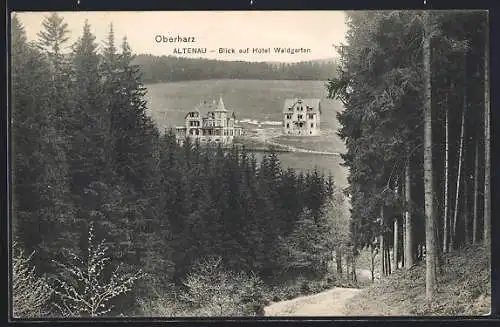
point(43, 213)
point(430, 220)
point(487, 163)
point(54, 35)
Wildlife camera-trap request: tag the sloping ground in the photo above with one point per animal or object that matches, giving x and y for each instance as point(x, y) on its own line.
point(328, 303)
point(464, 288)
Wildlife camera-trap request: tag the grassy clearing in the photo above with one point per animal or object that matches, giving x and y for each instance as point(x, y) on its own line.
point(256, 144)
point(261, 100)
point(464, 289)
point(328, 141)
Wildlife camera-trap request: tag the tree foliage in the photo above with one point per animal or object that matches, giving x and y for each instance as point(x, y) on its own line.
point(381, 83)
point(86, 153)
point(159, 69)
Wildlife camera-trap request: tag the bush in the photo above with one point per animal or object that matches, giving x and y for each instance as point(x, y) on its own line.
point(83, 288)
point(305, 288)
point(213, 291)
point(300, 287)
point(30, 293)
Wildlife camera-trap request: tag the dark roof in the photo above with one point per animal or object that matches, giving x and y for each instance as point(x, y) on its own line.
point(313, 103)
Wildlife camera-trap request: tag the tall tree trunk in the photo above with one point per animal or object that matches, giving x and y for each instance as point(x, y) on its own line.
point(487, 164)
point(476, 180)
point(382, 254)
point(403, 241)
point(439, 253)
point(408, 218)
point(388, 258)
point(460, 160)
point(354, 277)
point(338, 260)
point(430, 234)
point(403, 230)
point(466, 211)
point(347, 273)
point(446, 227)
point(396, 243)
point(372, 266)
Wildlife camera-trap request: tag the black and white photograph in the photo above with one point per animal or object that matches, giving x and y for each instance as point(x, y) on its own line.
point(226, 164)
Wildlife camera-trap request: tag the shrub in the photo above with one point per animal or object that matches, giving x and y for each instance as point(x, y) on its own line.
point(30, 293)
point(83, 288)
point(213, 291)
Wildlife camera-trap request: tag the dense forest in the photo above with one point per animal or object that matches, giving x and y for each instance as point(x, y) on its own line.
point(416, 124)
point(96, 187)
point(111, 216)
point(157, 69)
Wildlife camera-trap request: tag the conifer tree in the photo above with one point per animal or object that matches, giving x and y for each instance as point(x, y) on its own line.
point(43, 213)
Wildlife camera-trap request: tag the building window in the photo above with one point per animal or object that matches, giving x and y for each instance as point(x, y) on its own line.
point(311, 116)
point(301, 124)
point(299, 116)
point(312, 125)
point(288, 116)
point(287, 125)
point(197, 132)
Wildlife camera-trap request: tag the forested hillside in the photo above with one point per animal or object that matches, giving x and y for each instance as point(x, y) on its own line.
point(158, 69)
point(416, 124)
point(113, 215)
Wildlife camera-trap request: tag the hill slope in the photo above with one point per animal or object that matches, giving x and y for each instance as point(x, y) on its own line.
point(464, 288)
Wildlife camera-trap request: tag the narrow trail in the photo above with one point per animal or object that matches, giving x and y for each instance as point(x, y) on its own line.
point(328, 303)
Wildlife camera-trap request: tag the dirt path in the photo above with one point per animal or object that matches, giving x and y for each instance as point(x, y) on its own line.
point(328, 303)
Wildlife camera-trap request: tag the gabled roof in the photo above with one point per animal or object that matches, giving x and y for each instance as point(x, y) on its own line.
point(307, 102)
point(208, 107)
point(197, 112)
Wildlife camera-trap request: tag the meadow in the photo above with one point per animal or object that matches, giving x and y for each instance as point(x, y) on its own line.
point(260, 100)
point(253, 102)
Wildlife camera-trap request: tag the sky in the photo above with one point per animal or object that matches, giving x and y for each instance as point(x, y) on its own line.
point(313, 32)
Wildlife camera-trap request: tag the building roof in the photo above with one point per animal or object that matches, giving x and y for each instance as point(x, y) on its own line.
point(204, 108)
point(196, 111)
point(313, 103)
point(220, 105)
